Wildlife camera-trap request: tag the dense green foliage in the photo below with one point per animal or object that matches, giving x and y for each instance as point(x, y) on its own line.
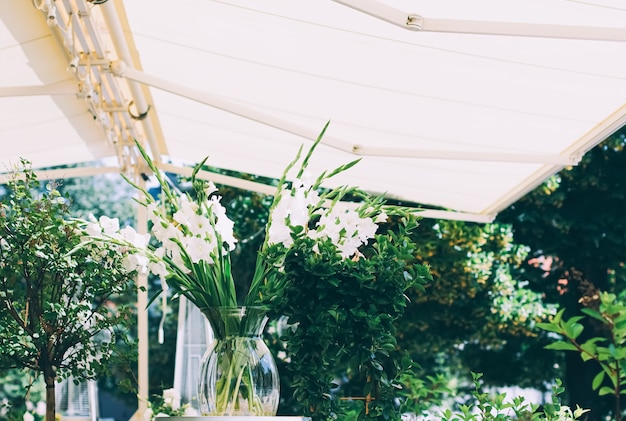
point(342, 314)
point(475, 315)
point(575, 228)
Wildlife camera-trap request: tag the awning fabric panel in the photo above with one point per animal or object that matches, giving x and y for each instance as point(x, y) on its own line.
point(465, 122)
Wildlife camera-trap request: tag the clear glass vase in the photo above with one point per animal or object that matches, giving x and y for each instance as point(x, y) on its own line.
point(238, 374)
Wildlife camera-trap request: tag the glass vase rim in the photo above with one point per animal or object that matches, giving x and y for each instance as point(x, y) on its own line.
point(238, 309)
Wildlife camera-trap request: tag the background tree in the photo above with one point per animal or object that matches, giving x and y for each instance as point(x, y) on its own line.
point(57, 316)
point(576, 230)
point(476, 315)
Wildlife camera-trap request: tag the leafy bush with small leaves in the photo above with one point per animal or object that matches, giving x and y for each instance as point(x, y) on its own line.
point(496, 407)
point(420, 393)
point(57, 317)
point(608, 351)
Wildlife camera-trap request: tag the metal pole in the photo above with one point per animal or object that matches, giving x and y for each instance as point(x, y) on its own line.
point(142, 317)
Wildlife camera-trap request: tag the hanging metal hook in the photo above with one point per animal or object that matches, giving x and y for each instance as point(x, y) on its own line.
point(138, 117)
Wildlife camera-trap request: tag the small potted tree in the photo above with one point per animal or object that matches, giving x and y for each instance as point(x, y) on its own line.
point(56, 313)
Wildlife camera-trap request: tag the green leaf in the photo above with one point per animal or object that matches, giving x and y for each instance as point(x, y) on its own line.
point(605, 391)
point(573, 330)
point(594, 314)
point(562, 346)
point(597, 380)
point(550, 327)
point(377, 365)
point(558, 316)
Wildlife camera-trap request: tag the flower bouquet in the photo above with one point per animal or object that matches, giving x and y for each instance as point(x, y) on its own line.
point(194, 238)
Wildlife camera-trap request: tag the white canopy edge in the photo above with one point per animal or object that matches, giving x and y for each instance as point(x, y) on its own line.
point(416, 22)
point(591, 139)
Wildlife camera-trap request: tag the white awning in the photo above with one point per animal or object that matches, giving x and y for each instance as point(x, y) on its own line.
point(460, 105)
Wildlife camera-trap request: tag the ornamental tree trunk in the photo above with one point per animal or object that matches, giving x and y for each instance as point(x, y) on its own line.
point(50, 397)
point(49, 372)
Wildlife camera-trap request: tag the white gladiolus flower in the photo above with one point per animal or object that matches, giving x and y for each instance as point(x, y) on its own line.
point(186, 212)
point(349, 247)
point(223, 225)
point(93, 229)
point(135, 262)
point(299, 210)
point(366, 229)
point(200, 249)
point(139, 241)
point(342, 227)
point(158, 268)
point(166, 235)
point(293, 210)
point(280, 233)
point(110, 226)
point(346, 229)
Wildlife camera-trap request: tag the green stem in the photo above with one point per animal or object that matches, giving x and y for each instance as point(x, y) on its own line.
point(236, 390)
point(618, 411)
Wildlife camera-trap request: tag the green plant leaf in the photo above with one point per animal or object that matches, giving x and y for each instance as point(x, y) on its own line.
point(550, 327)
point(605, 391)
point(594, 314)
point(558, 316)
point(573, 329)
point(562, 346)
point(597, 380)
